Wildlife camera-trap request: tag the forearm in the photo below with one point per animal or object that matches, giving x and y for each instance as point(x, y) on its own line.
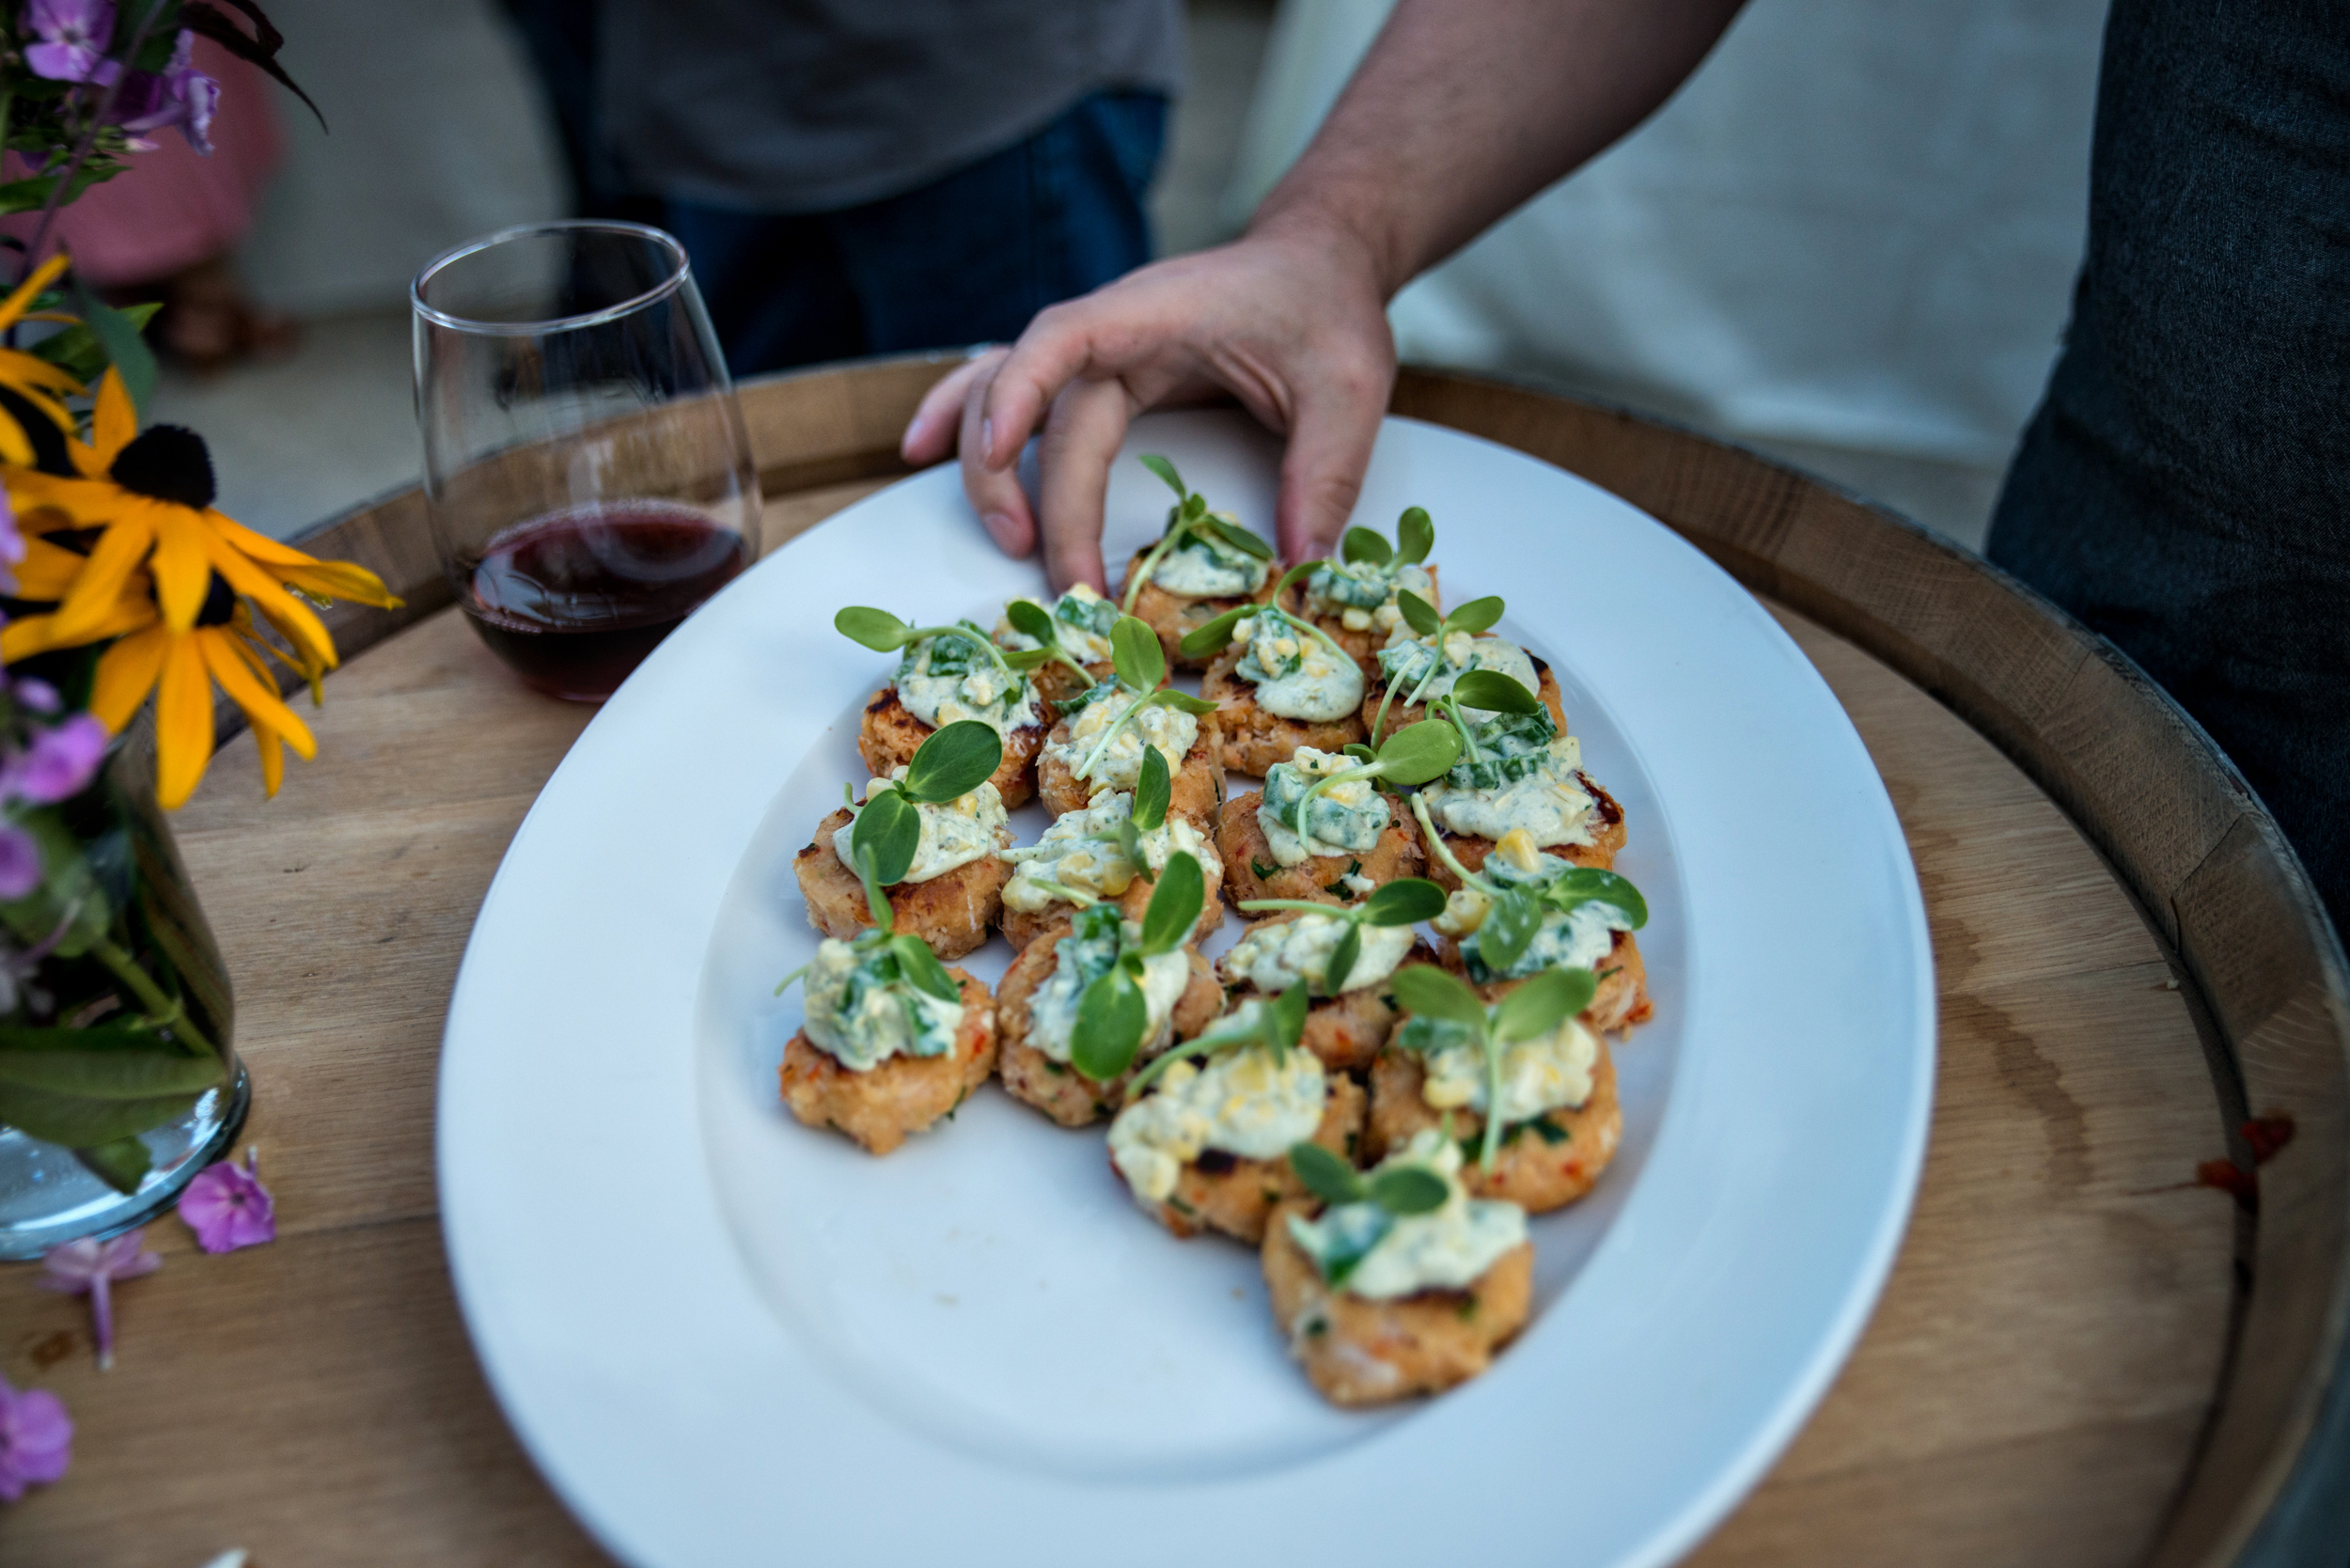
point(1466, 108)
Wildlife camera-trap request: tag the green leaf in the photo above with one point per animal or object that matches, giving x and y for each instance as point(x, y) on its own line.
point(1281, 583)
point(875, 629)
point(1404, 1190)
point(1129, 838)
point(1238, 537)
point(1166, 471)
point(1170, 697)
point(1287, 1017)
point(1420, 752)
point(1342, 956)
point(1418, 614)
point(1217, 635)
point(1508, 927)
point(952, 763)
point(1583, 884)
point(1136, 654)
point(1361, 545)
point(1403, 902)
point(114, 1074)
point(79, 1122)
point(1327, 1176)
point(122, 1165)
point(1030, 618)
point(922, 968)
point(1175, 904)
point(1489, 691)
point(76, 350)
point(1110, 1019)
point(124, 345)
point(889, 831)
point(1415, 536)
point(1154, 789)
point(1429, 992)
point(1476, 616)
point(68, 889)
point(97, 1037)
point(1541, 1004)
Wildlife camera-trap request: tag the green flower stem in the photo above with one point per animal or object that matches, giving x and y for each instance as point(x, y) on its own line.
point(1175, 534)
point(1451, 706)
point(1309, 628)
point(1444, 853)
point(1074, 895)
point(162, 1011)
point(1344, 912)
point(1085, 769)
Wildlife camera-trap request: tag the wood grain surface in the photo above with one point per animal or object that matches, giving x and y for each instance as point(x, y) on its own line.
point(2032, 1388)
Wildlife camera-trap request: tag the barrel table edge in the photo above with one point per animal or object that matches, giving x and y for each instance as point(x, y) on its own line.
point(2184, 835)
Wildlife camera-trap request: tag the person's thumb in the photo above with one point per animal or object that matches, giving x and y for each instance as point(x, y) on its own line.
point(1322, 472)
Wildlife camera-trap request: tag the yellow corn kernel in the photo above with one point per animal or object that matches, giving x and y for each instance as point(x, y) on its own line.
point(1517, 848)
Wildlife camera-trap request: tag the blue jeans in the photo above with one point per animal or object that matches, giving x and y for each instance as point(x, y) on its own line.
point(2184, 486)
point(966, 259)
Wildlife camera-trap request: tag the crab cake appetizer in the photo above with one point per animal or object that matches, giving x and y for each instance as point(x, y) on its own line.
point(1559, 1117)
point(1353, 598)
point(946, 674)
point(1204, 565)
point(1407, 1285)
point(1280, 684)
point(1037, 1011)
point(1205, 1143)
point(1099, 747)
point(1355, 839)
point(1073, 634)
point(1519, 776)
point(1562, 917)
point(950, 888)
point(1413, 674)
point(893, 1040)
point(1085, 858)
point(1359, 948)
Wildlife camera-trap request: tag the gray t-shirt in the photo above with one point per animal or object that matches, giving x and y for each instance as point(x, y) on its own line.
point(810, 106)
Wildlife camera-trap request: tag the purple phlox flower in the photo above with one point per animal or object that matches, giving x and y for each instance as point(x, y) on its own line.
point(58, 764)
point(39, 695)
point(20, 862)
point(91, 1267)
point(227, 1207)
point(178, 95)
point(35, 1439)
point(73, 39)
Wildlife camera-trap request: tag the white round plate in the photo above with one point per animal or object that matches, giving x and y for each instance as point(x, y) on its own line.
point(727, 1337)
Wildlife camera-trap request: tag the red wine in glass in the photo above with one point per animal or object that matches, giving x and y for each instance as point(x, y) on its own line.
point(576, 599)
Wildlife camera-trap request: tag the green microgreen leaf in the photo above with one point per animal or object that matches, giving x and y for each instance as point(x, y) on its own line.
point(1476, 616)
point(875, 629)
point(1343, 954)
point(1508, 927)
point(1583, 884)
point(1418, 614)
point(1154, 789)
point(1136, 654)
point(1404, 1190)
point(1327, 1176)
point(1429, 992)
point(1175, 904)
point(1415, 536)
point(1166, 471)
point(922, 968)
point(1489, 691)
point(1407, 901)
point(1420, 752)
point(1361, 545)
point(1238, 537)
point(1541, 1004)
point(888, 833)
point(952, 762)
point(1217, 635)
point(1129, 840)
point(1285, 1020)
point(1111, 1015)
point(1031, 619)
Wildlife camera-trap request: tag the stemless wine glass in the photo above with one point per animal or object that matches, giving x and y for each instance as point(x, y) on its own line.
point(588, 475)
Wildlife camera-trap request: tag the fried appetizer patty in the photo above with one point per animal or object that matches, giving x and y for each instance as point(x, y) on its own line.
point(1622, 999)
point(1345, 1031)
point(1251, 873)
point(1056, 1088)
point(1221, 1191)
point(1608, 842)
point(952, 912)
point(1196, 791)
point(1022, 927)
point(1174, 618)
point(1358, 1351)
point(888, 735)
point(900, 1095)
point(1544, 1163)
point(1402, 714)
point(1253, 739)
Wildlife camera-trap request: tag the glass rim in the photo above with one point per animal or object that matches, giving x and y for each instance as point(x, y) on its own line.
point(662, 238)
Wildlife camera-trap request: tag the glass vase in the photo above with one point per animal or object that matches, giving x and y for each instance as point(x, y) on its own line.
point(117, 1078)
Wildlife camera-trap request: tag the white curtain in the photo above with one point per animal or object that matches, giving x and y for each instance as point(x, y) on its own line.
point(1857, 225)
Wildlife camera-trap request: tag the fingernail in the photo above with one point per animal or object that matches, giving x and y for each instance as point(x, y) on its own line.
point(987, 442)
point(1000, 528)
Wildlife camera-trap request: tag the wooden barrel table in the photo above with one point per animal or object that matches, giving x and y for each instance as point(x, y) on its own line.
point(2111, 1330)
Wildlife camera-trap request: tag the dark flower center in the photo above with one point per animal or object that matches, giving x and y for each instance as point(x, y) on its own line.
point(220, 602)
point(168, 463)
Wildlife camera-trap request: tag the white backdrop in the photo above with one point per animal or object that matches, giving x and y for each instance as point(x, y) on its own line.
point(1858, 225)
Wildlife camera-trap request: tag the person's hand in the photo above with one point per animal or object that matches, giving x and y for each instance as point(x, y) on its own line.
point(1290, 320)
